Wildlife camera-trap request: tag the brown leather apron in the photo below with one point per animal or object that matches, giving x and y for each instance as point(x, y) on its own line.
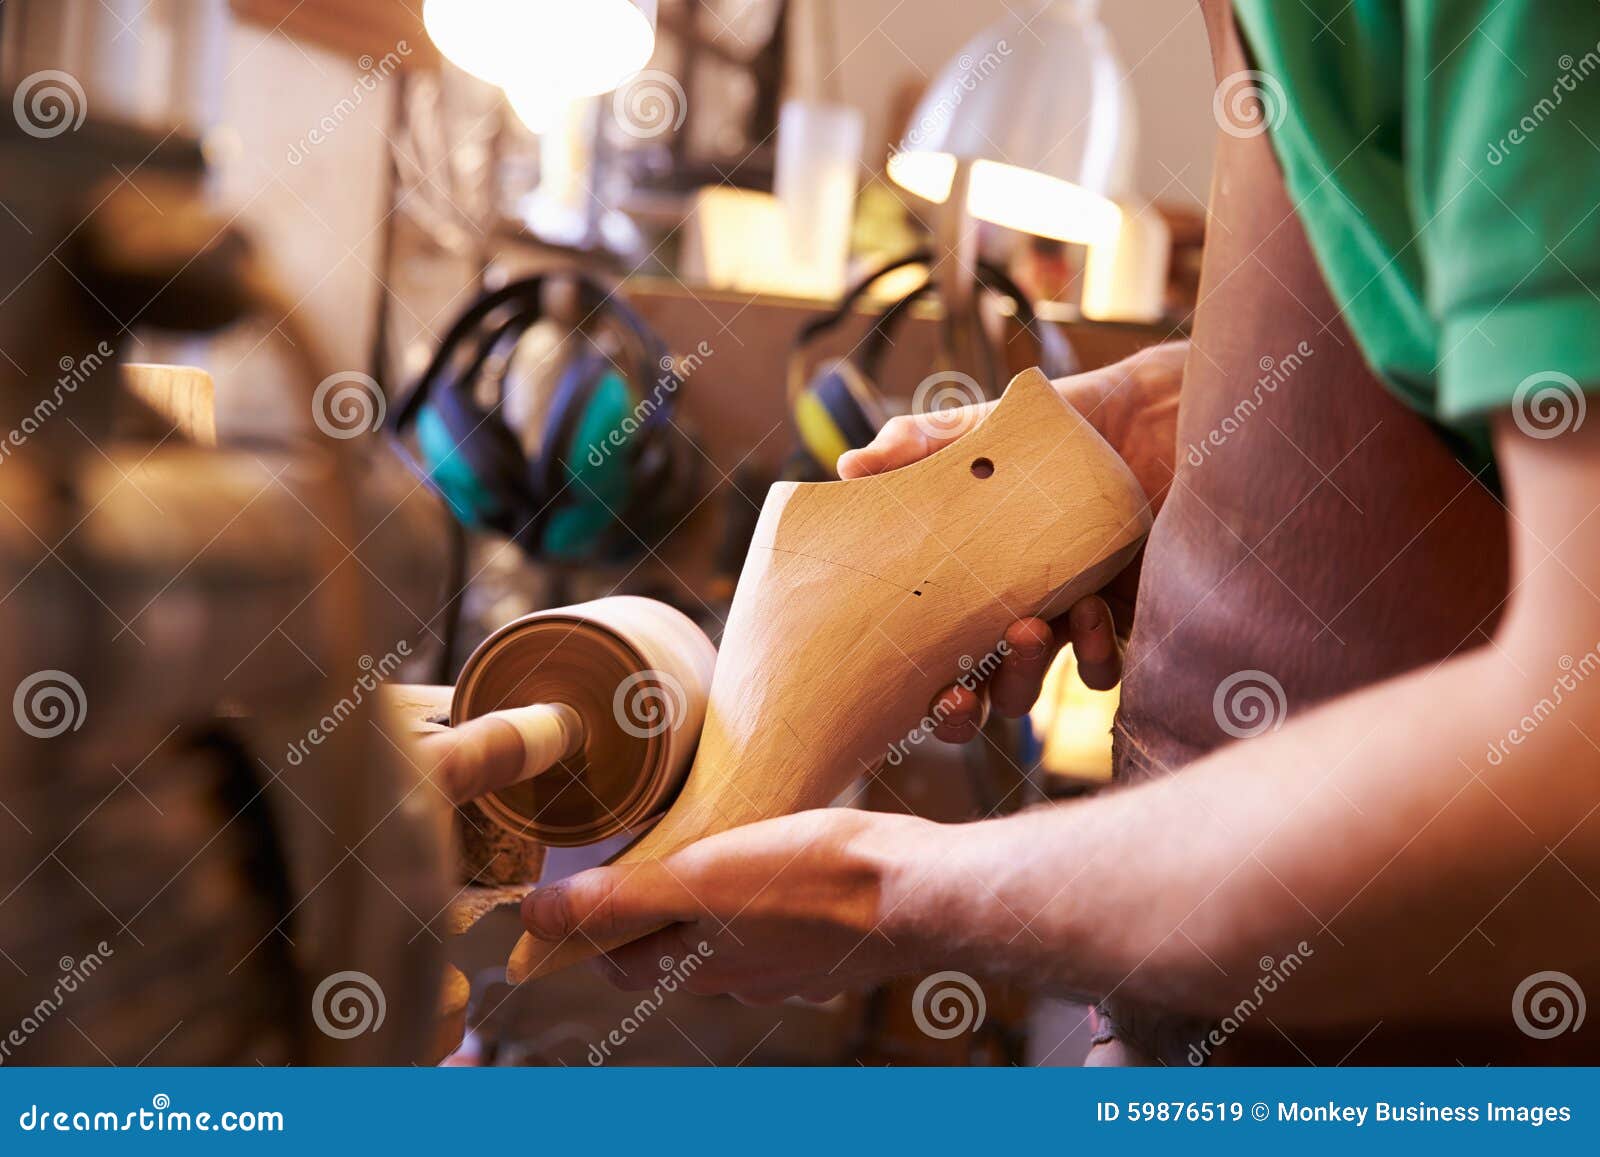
point(1318, 531)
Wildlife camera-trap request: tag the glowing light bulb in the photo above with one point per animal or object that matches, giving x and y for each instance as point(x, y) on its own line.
point(928, 175)
point(1017, 198)
point(539, 109)
point(1033, 202)
point(574, 47)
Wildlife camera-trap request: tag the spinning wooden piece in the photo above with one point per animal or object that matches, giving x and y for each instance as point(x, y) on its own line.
point(860, 600)
point(608, 698)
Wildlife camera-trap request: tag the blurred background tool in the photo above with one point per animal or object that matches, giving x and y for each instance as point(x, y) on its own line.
point(177, 612)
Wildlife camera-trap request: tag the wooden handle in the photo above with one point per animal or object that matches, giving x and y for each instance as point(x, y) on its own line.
point(495, 751)
point(549, 732)
point(861, 600)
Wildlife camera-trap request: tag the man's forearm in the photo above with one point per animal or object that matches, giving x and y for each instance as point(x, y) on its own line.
point(1375, 829)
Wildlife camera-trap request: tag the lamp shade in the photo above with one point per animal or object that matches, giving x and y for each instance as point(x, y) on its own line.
point(573, 48)
point(1040, 110)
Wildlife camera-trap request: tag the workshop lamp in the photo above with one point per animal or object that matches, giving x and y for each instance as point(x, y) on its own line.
point(564, 48)
point(1036, 114)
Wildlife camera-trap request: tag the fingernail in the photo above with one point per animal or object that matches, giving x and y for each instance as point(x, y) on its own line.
point(546, 913)
point(1089, 618)
point(1030, 649)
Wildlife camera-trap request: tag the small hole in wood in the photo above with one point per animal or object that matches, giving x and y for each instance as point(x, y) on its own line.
point(982, 467)
point(916, 592)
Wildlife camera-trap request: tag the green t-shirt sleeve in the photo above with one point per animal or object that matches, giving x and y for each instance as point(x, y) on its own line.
point(1503, 167)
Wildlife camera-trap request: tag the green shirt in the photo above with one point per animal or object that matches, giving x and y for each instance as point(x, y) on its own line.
point(1444, 157)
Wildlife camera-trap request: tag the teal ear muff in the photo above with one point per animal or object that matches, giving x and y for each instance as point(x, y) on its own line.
point(469, 499)
point(587, 463)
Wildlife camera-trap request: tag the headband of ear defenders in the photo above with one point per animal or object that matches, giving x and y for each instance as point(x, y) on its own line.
point(839, 312)
point(873, 347)
point(503, 315)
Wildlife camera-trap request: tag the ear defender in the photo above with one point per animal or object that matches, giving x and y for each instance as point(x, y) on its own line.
point(838, 411)
point(838, 407)
point(473, 461)
point(584, 466)
point(611, 474)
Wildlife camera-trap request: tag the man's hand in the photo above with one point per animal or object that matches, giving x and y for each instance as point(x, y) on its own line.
point(807, 905)
point(1134, 406)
